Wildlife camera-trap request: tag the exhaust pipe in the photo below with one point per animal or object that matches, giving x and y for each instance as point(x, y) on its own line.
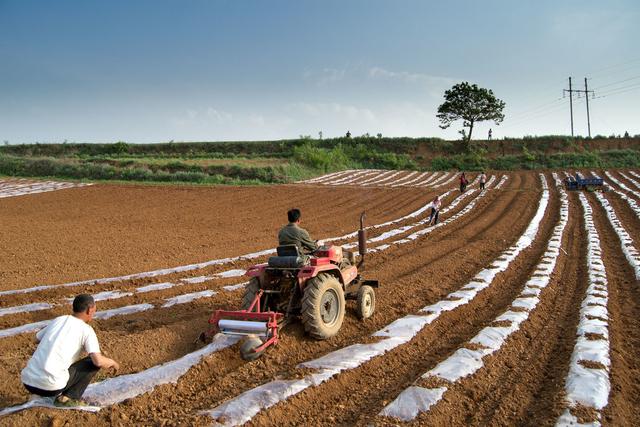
point(362, 240)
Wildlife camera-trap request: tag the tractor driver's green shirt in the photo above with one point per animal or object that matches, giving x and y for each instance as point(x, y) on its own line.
point(292, 234)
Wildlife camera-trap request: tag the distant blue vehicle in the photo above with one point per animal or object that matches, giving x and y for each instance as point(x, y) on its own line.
point(580, 183)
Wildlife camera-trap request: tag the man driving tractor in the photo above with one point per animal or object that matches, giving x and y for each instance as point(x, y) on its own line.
point(293, 285)
point(293, 234)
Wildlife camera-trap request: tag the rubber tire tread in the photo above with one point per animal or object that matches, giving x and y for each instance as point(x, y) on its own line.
point(311, 299)
point(360, 303)
point(250, 291)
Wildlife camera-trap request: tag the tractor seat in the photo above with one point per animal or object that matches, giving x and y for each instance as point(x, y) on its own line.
point(288, 257)
point(286, 262)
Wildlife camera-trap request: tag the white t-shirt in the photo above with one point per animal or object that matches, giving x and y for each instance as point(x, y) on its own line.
point(61, 345)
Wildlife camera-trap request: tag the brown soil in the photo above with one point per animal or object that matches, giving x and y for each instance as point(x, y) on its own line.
point(499, 324)
point(350, 330)
point(594, 337)
point(624, 322)
point(584, 414)
point(625, 181)
point(403, 365)
point(591, 364)
point(111, 230)
point(521, 384)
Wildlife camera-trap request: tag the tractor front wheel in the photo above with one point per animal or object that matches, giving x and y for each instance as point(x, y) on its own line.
point(323, 307)
point(366, 303)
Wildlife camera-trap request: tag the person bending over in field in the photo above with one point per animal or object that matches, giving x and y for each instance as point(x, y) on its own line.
point(463, 183)
point(56, 368)
point(293, 234)
point(435, 210)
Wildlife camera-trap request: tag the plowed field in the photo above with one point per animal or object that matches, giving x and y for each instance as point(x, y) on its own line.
point(521, 307)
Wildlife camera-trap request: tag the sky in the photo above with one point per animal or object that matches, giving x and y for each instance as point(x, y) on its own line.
point(219, 70)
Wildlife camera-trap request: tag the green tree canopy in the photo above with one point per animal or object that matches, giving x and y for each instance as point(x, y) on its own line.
point(471, 104)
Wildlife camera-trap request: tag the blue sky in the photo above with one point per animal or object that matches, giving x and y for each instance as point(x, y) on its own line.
point(193, 70)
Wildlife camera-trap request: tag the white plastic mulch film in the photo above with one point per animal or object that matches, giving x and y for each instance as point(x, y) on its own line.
point(587, 385)
point(106, 314)
point(464, 362)
point(139, 383)
point(244, 407)
point(185, 298)
point(25, 308)
point(118, 389)
point(631, 202)
point(238, 272)
point(626, 242)
point(198, 266)
point(22, 187)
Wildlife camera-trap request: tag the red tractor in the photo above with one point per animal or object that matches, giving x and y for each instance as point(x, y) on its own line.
point(295, 286)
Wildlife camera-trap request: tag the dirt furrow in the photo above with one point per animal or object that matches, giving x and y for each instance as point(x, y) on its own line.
point(630, 190)
point(48, 294)
point(626, 180)
point(54, 295)
point(21, 318)
point(124, 326)
point(402, 296)
point(398, 368)
point(523, 383)
point(217, 377)
point(625, 213)
point(63, 236)
point(624, 326)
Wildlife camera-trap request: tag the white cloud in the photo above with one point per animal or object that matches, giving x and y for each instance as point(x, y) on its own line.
point(218, 124)
point(257, 119)
point(219, 116)
point(331, 110)
point(210, 115)
point(326, 76)
point(434, 85)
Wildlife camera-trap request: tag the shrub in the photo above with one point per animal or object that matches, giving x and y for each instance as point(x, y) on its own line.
point(325, 160)
point(136, 174)
point(120, 147)
point(11, 166)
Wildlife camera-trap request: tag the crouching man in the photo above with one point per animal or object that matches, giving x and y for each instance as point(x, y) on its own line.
point(56, 369)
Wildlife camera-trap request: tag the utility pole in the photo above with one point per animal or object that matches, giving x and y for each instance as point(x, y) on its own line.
point(586, 92)
point(586, 95)
point(570, 102)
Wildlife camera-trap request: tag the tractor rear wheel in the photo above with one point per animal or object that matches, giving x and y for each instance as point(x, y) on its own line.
point(366, 303)
point(323, 307)
point(250, 292)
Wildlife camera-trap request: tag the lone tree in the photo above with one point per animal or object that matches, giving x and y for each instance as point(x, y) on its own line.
point(471, 104)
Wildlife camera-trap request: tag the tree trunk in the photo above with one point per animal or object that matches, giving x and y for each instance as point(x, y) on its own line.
point(469, 137)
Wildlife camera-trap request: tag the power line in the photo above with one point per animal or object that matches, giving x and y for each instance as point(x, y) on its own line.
point(535, 109)
point(601, 70)
point(619, 91)
point(618, 82)
point(538, 114)
point(558, 104)
point(620, 88)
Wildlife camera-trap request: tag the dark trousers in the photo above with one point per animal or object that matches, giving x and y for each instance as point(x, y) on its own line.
point(80, 375)
point(434, 214)
point(463, 187)
point(482, 185)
